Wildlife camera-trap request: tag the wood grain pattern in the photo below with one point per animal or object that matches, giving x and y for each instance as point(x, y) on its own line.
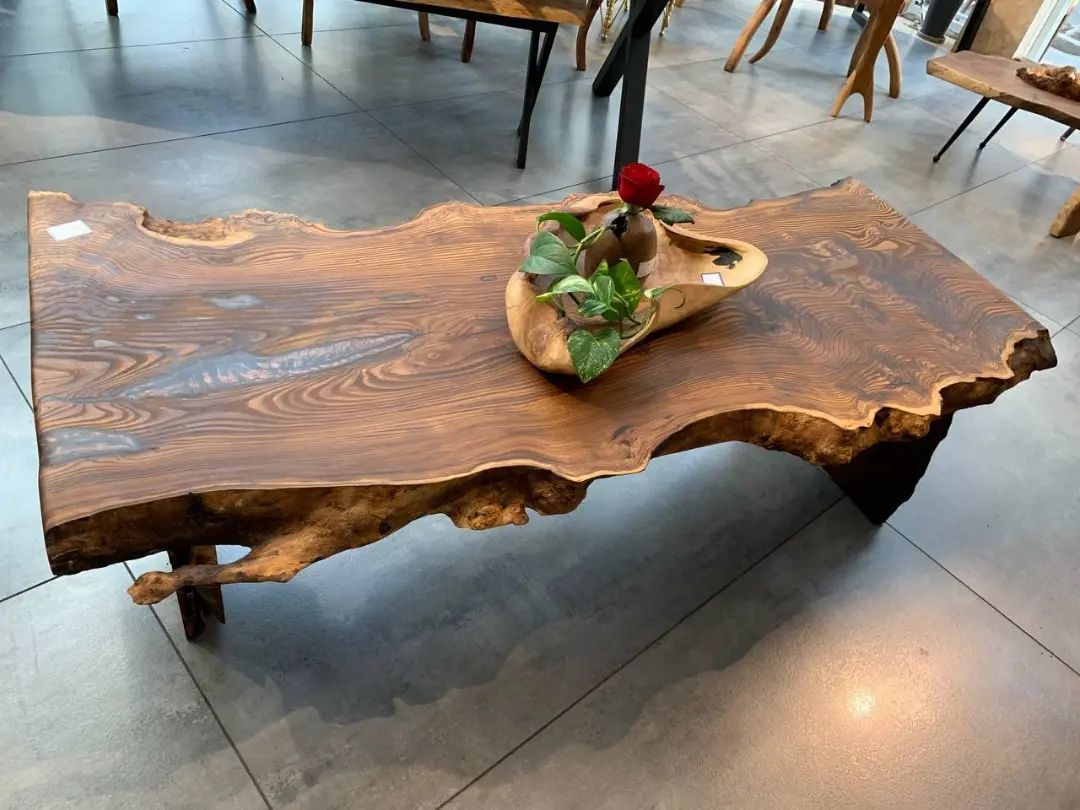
point(264, 381)
point(995, 77)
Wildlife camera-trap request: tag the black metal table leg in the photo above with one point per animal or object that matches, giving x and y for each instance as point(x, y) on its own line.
point(997, 126)
point(629, 58)
point(967, 122)
point(534, 77)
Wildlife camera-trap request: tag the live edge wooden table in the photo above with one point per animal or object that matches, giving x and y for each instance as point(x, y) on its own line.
point(263, 381)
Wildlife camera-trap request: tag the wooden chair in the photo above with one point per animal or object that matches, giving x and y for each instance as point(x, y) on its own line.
point(582, 36)
point(876, 34)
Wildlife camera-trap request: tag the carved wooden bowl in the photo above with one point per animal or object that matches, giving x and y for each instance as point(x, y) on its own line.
point(698, 272)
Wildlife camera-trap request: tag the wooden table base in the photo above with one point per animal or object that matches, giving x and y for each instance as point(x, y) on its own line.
point(197, 604)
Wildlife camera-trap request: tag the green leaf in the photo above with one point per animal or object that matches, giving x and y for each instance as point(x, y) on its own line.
point(592, 353)
point(569, 284)
point(592, 306)
point(627, 285)
point(548, 256)
point(603, 287)
point(571, 224)
point(671, 216)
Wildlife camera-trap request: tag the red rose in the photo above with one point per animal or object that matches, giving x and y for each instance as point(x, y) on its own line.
point(639, 184)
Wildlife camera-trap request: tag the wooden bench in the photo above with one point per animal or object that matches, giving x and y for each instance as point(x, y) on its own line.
point(994, 78)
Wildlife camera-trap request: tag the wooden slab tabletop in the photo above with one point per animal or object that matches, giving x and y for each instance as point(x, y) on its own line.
point(995, 77)
point(261, 353)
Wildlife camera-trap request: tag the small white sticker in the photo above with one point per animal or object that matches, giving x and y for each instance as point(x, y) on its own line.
point(69, 230)
point(713, 279)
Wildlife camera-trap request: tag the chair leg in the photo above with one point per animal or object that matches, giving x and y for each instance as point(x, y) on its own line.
point(997, 126)
point(774, 30)
point(861, 80)
point(425, 26)
point(826, 14)
point(665, 20)
point(111, 8)
point(860, 48)
point(1067, 134)
point(583, 32)
point(468, 40)
point(307, 22)
point(747, 34)
point(896, 71)
point(250, 6)
point(1068, 219)
point(960, 129)
point(534, 76)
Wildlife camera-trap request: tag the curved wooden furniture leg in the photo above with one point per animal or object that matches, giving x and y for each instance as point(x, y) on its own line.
point(861, 80)
point(826, 14)
point(307, 22)
point(1067, 222)
point(197, 603)
point(882, 477)
point(468, 40)
point(747, 34)
point(583, 32)
point(774, 30)
point(859, 50)
point(111, 8)
point(425, 26)
point(896, 72)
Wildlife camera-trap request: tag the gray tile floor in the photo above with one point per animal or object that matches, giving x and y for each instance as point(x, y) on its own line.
point(723, 630)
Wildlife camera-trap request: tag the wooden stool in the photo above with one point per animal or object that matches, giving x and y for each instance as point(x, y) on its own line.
point(876, 34)
point(755, 21)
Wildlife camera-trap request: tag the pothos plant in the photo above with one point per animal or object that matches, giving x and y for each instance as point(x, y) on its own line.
point(596, 271)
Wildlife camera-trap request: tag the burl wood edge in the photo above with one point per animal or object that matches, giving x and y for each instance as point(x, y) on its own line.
point(843, 236)
point(289, 529)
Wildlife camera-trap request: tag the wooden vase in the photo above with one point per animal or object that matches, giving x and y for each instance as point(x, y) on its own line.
point(698, 271)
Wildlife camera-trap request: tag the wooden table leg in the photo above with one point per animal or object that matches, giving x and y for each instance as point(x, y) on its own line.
point(826, 14)
point(743, 42)
point(425, 26)
point(774, 30)
point(881, 478)
point(197, 604)
point(861, 80)
point(583, 33)
point(307, 22)
point(468, 40)
point(111, 8)
point(1068, 219)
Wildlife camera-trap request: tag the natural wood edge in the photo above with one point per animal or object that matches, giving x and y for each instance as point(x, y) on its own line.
point(942, 67)
point(289, 529)
point(1067, 222)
